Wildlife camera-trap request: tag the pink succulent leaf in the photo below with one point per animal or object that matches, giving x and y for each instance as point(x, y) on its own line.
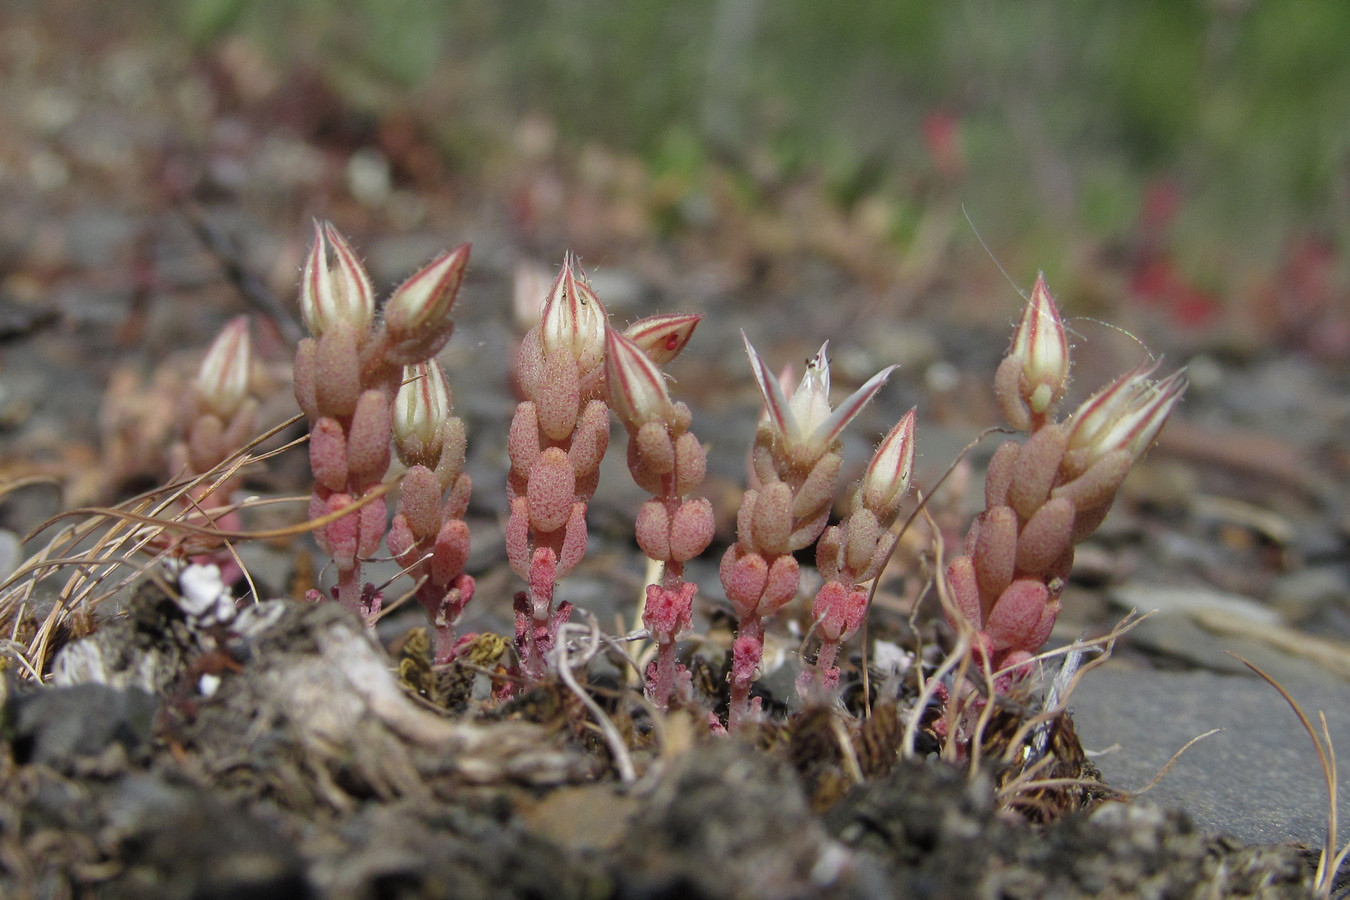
point(328, 454)
point(574, 540)
point(343, 533)
point(653, 530)
point(543, 577)
point(1045, 537)
point(744, 576)
point(371, 520)
point(419, 501)
point(1035, 469)
point(747, 654)
point(368, 441)
point(517, 537)
point(551, 490)
point(451, 552)
point(652, 449)
point(839, 611)
point(781, 588)
point(1015, 622)
point(691, 529)
point(402, 545)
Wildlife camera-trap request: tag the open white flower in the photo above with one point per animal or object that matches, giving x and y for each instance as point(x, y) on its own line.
point(804, 421)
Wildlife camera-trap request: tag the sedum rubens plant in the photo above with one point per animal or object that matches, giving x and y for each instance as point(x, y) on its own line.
point(346, 376)
point(666, 460)
point(428, 535)
point(558, 436)
point(795, 460)
point(218, 418)
point(1051, 491)
point(852, 553)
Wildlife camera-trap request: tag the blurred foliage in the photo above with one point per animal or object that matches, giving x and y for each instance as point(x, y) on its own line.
point(1065, 111)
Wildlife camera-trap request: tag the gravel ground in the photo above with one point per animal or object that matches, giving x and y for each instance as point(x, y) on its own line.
point(151, 195)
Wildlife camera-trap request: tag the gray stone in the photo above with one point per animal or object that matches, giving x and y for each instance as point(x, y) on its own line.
point(1301, 594)
point(1259, 779)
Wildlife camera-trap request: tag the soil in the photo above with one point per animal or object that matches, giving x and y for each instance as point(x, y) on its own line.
point(290, 753)
point(305, 769)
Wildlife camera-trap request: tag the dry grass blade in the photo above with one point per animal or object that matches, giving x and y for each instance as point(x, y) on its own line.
point(1327, 864)
point(121, 532)
point(563, 664)
point(1167, 766)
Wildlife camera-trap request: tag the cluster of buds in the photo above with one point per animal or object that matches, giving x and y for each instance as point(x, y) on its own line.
point(346, 377)
point(1050, 492)
point(852, 553)
point(795, 460)
point(218, 418)
point(428, 535)
point(667, 461)
point(558, 436)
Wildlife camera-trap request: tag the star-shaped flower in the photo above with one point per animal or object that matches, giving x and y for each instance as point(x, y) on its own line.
point(805, 423)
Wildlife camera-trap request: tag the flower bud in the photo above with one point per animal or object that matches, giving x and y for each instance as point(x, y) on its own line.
point(423, 301)
point(222, 381)
point(887, 477)
point(573, 319)
point(663, 337)
point(329, 294)
point(1043, 350)
point(637, 389)
point(421, 408)
point(1125, 415)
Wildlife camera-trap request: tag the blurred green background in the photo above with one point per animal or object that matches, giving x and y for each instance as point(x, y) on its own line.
point(1060, 112)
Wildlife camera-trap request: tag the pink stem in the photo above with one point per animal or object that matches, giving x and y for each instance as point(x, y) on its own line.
point(747, 652)
point(349, 589)
point(663, 681)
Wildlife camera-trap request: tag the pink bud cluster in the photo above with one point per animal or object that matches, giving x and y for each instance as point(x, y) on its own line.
point(428, 535)
point(218, 418)
point(220, 414)
point(558, 436)
point(346, 377)
point(1050, 492)
point(666, 460)
point(796, 460)
point(853, 553)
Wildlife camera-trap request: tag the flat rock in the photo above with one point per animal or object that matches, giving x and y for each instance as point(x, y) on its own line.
point(1258, 780)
